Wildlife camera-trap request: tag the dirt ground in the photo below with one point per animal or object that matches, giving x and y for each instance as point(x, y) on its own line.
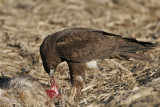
point(25, 23)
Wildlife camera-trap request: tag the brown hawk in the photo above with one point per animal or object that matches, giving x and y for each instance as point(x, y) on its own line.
point(77, 46)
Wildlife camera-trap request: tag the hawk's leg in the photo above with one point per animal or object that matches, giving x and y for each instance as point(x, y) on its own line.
point(77, 77)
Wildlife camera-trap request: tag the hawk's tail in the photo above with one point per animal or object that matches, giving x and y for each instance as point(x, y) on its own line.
point(132, 46)
point(145, 44)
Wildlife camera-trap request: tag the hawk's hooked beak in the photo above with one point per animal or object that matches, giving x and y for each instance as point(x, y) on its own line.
point(51, 74)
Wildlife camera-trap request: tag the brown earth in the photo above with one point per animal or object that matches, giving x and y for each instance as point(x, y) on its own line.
point(25, 23)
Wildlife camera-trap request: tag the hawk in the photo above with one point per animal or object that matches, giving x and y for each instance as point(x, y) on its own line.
point(77, 46)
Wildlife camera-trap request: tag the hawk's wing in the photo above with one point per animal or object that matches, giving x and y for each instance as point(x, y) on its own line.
point(85, 45)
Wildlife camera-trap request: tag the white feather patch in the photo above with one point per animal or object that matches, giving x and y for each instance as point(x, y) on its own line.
point(92, 65)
